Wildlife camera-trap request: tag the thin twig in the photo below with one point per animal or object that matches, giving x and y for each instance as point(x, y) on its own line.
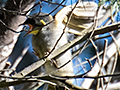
point(115, 60)
point(56, 7)
point(18, 60)
point(10, 28)
point(53, 3)
point(63, 29)
point(98, 60)
point(20, 5)
point(103, 58)
point(13, 12)
point(51, 77)
point(89, 62)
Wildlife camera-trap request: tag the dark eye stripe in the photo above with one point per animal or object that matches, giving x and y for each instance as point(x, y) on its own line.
point(30, 21)
point(39, 25)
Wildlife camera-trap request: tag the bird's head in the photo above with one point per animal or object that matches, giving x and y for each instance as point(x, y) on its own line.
point(34, 26)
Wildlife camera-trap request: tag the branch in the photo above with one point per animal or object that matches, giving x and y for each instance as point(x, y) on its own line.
point(80, 39)
point(43, 78)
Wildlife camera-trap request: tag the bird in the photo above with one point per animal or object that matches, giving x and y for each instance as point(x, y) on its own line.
point(46, 31)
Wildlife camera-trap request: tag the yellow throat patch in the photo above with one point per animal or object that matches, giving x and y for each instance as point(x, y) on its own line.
point(34, 32)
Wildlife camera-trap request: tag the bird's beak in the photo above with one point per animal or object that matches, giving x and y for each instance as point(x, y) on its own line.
point(27, 33)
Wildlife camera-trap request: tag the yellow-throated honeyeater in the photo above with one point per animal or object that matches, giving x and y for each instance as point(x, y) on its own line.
point(44, 38)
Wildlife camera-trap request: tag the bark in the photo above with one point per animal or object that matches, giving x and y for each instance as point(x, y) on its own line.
point(12, 20)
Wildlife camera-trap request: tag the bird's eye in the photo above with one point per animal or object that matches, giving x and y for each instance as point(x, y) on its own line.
point(26, 28)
